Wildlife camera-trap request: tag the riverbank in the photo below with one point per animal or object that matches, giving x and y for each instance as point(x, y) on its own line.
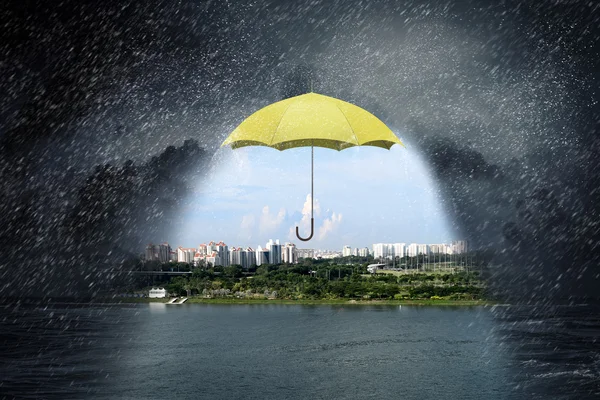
point(415, 302)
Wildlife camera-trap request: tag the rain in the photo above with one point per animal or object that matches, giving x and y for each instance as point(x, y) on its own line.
point(111, 114)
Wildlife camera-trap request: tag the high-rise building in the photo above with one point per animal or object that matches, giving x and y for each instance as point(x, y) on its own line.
point(346, 251)
point(235, 256)
point(158, 252)
point(460, 246)
point(306, 253)
point(412, 250)
point(381, 250)
point(211, 247)
point(364, 252)
point(399, 249)
point(290, 253)
point(243, 255)
point(151, 252)
point(355, 252)
point(262, 256)
point(438, 248)
point(202, 249)
point(213, 259)
point(164, 252)
point(185, 255)
point(415, 249)
point(275, 251)
point(223, 251)
point(248, 258)
point(388, 250)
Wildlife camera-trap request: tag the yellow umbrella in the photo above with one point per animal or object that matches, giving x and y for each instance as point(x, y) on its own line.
point(312, 120)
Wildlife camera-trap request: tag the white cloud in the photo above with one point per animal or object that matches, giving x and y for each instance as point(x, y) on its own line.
point(270, 222)
point(304, 223)
point(330, 225)
point(306, 207)
point(267, 222)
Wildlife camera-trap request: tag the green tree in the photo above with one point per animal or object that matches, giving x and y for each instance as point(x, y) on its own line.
point(188, 288)
point(233, 271)
point(177, 285)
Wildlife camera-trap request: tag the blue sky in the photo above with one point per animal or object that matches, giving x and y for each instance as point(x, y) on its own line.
point(363, 195)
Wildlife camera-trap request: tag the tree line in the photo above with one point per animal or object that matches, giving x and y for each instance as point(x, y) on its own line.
point(324, 281)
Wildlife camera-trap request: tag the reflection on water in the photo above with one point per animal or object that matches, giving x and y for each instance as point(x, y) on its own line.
point(298, 352)
point(157, 308)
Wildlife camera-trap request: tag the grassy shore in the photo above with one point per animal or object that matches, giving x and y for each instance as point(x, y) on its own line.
point(416, 302)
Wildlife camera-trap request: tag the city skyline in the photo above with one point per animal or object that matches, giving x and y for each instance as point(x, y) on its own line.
point(219, 253)
point(318, 249)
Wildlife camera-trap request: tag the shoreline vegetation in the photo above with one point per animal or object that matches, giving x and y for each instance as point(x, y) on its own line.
point(342, 281)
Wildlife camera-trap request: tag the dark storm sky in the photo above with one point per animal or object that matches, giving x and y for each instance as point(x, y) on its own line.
point(501, 98)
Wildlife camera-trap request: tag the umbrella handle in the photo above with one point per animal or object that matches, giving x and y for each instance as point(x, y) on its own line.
point(312, 196)
point(312, 231)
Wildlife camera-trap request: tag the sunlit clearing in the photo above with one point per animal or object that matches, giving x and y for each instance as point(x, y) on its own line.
point(363, 195)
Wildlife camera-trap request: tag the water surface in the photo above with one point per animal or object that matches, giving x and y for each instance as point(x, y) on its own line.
point(200, 351)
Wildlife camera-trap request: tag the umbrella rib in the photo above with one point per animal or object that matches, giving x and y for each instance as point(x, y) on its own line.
point(279, 123)
point(348, 122)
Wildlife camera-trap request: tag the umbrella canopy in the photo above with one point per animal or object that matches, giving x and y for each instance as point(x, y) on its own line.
point(312, 120)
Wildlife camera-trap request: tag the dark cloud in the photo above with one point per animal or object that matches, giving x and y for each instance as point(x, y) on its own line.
point(501, 98)
point(72, 236)
point(539, 213)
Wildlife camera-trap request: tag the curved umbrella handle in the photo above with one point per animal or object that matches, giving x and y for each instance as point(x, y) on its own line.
point(312, 231)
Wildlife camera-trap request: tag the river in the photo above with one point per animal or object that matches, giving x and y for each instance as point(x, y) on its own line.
point(195, 351)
